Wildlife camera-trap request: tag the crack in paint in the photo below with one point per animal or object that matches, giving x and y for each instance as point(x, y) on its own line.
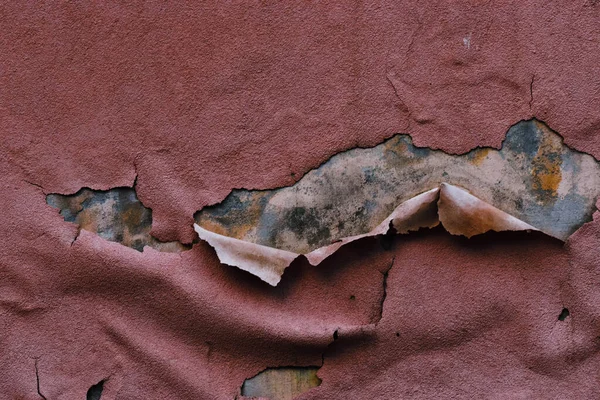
point(37, 380)
point(36, 185)
point(531, 91)
point(384, 294)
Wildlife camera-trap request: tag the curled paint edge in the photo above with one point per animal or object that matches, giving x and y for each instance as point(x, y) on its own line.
point(268, 263)
point(459, 212)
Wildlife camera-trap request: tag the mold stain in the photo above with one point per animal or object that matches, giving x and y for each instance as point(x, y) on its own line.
point(303, 222)
point(241, 214)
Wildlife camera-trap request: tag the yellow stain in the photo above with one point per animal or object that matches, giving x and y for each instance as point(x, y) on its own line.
point(546, 168)
point(479, 156)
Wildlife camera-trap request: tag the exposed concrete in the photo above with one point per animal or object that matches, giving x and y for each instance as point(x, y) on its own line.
point(534, 177)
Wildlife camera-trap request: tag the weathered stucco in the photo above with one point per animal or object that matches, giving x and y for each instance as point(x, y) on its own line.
point(194, 101)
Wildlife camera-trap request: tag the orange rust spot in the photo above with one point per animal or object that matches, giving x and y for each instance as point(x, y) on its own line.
point(396, 146)
point(240, 231)
point(88, 219)
point(546, 170)
point(132, 216)
point(549, 179)
point(479, 156)
point(213, 226)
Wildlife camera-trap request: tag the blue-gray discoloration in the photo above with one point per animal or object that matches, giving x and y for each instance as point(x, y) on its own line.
point(523, 138)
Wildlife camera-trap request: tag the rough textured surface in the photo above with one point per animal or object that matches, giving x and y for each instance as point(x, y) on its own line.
point(199, 99)
point(477, 318)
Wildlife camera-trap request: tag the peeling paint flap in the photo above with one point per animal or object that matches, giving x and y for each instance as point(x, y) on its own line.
point(265, 262)
point(460, 213)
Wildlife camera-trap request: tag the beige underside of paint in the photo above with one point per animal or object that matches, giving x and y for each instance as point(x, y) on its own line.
point(459, 212)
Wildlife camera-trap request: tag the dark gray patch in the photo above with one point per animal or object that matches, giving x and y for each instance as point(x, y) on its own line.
point(524, 138)
point(564, 314)
point(306, 223)
point(95, 391)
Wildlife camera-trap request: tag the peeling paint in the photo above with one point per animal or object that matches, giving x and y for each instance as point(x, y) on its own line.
point(534, 177)
point(455, 209)
point(116, 215)
point(198, 98)
point(534, 182)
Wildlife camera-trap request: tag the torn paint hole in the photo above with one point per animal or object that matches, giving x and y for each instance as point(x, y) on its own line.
point(534, 177)
point(95, 391)
point(116, 215)
point(534, 182)
point(282, 383)
point(564, 314)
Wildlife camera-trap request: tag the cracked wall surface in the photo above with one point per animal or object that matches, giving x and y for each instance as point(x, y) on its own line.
point(534, 182)
point(181, 106)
